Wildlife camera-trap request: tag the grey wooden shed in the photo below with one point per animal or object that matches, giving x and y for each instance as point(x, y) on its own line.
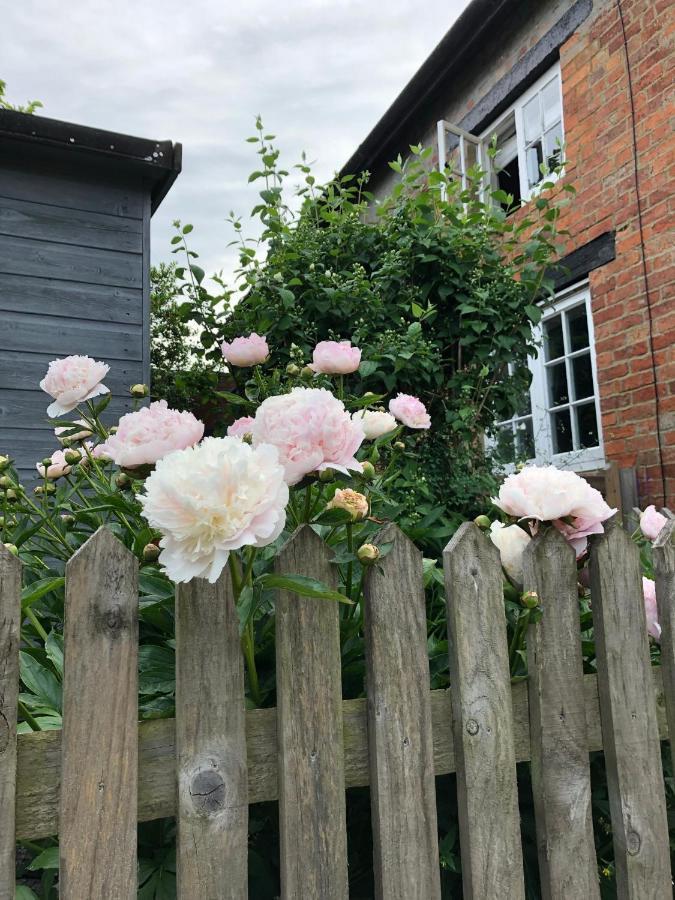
point(75, 208)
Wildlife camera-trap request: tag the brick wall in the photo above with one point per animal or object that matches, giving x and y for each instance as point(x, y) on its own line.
point(599, 146)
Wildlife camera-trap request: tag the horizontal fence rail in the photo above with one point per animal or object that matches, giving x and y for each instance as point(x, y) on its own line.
point(92, 781)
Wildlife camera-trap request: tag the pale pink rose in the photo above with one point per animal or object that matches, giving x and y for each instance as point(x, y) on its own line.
point(375, 423)
point(335, 358)
point(58, 467)
point(312, 431)
point(554, 495)
point(213, 498)
point(145, 436)
point(71, 381)
point(511, 541)
point(62, 433)
point(651, 523)
point(410, 411)
point(240, 427)
point(651, 609)
point(246, 351)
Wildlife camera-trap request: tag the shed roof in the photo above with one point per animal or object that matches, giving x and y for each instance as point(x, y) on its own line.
point(159, 161)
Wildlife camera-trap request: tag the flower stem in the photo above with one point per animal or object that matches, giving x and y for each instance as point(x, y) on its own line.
point(35, 622)
point(28, 717)
point(350, 547)
point(308, 503)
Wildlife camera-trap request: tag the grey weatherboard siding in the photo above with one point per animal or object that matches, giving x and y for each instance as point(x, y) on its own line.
point(75, 208)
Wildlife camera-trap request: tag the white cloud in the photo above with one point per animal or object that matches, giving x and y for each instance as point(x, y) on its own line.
point(320, 73)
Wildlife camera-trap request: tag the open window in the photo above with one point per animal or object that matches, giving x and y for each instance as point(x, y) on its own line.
point(528, 140)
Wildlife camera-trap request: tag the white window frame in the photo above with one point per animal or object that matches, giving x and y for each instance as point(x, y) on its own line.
point(579, 460)
point(526, 192)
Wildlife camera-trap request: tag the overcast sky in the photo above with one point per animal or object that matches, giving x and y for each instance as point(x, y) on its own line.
point(320, 72)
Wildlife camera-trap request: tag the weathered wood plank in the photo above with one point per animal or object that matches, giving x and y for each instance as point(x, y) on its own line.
point(73, 185)
point(32, 333)
point(212, 857)
point(664, 572)
point(70, 299)
point(48, 259)
point(561, 777)
point(21, 218)
point(483, 728)
point(28, 409)
point(403, 789)
point(98, 812)
point(23, 371)
point(312, 818)
point(628, 716)
point(10, 623)
point(39, 755)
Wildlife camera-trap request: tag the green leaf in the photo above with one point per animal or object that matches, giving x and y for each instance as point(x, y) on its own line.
point(198, 272)
point(24, 893)
point(48, 859)
point(367, 367)
point(32, 592)
point(333, 517)
point(533, 313)
point(156, 669)
point(187, 229)
point(54, 650)
point(40, 681)
point(234, 399)
point(301, 584)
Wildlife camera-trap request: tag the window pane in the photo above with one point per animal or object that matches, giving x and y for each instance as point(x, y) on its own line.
point(532, 120)
point(553, 145)
point(525, 439)
point(582, 374)
point(562, 431)
point(550, 100)
point(505, 450)
point(553, 338)
point(534, 157)
point(587, 425)
point(578, 328)
point(557, 384)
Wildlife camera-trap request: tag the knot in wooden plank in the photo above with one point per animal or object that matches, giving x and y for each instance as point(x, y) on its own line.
point(472, 727)
point(633, 843)
point(113, 621)
point(207, 791)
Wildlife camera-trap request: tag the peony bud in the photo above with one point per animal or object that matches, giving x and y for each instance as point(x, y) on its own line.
point(368, 471)
point(368, 554)
point(306, 373)
point(369, 395)
point(112, 429)
point(11, 496)
point(292, 369)
point(151, 553)
point(46, 462)
point(355, 503)
point(327, 475)
point(73, 457)
point(5, 482)
point(123, 481)
point(530, 599)
point(47, 488)
point(68, 520)
point(13, 549)
point(399, 445)
point(139, 390)
point(482, 522)
point(4, 463)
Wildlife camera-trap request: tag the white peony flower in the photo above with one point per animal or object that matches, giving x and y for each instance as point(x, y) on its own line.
point(207, 500)
point(511, 542)
point(374, 423)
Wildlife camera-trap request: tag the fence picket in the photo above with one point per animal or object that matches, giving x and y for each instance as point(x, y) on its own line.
point(100, 723)
point(212, 858)
point(10, 622)
point(403, 791)
point(664, 575)
point(312, 819)
point(561, 778)
point(628, 716)
point(487, 790)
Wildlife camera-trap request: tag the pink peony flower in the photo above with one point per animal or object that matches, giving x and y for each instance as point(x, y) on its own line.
point(353, 502)
point(71, 381)
point(58, 467)
point(511, 541)
point(651, 523)
point(335, 358)
point(312, 431)
point(558, 496)
point(410, 411)
point(651, 609)
point(213, 498)
point(246, 351)
point(374, 422)
point(145, 436)
point(98, 451)
point(240, 427)
point(63, 432)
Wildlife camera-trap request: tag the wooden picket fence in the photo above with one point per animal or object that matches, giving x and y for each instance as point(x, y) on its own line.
point(93, 780)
